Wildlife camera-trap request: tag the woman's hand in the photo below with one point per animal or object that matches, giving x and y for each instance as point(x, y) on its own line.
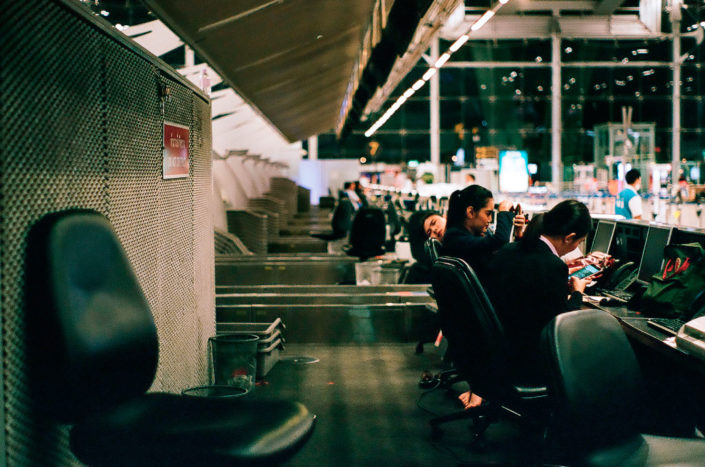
point(519, 225)
point(578, 285)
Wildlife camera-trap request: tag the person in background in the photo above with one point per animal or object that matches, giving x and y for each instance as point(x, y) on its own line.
point(529, 283)
point(628, 203)
point(683, 194)
point(360, 191)
point(349, 191)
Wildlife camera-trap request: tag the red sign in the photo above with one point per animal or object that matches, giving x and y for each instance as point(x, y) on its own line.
point(176, 144)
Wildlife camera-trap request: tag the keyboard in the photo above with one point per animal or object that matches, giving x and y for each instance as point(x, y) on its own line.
point(666, 325)
point(627, 281)
point(619, 295)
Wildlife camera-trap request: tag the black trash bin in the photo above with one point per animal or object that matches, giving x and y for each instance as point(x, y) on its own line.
point(233, 359)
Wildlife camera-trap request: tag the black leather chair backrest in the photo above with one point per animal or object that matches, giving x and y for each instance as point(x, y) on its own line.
point(368, 231)
point(342, 217)
point(476, 339)
point(393, 220)
point(432, 247)
point(594, 379)
point(93, 339)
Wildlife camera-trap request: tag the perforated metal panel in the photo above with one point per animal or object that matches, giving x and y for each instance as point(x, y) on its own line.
point(81, 126)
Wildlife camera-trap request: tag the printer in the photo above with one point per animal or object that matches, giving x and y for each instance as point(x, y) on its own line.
point(691, 337)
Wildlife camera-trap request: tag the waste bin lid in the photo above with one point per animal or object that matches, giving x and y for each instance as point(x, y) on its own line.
point(234, 338)
point(213, 391)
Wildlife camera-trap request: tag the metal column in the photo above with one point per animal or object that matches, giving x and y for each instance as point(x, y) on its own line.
point(435, 114)
point(676, 141)
point(556, 129)
point(313, 148)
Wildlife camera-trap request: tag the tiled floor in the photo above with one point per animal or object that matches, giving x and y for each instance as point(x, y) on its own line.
point(371, 411)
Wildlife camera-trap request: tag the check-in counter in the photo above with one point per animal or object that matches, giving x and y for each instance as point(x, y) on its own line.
point(330, 314)
point(285, 269)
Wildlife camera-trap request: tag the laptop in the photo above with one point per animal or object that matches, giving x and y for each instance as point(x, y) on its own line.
point(657, 238)
point(603, 236)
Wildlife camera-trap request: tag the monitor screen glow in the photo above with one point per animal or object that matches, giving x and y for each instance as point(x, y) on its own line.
point(603, 236)
point(652, 258)
point(513, 171)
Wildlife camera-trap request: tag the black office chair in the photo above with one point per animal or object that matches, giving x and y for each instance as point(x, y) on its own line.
point(394, 222)
point(432, 248)
point(477, 346)
point(367, 234)
point(94, 352)
point(340, 223)
point(597, 389)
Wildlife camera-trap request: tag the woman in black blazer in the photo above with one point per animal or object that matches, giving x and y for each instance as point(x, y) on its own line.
point(529, 283)
point(470, 212)
point(469, 215)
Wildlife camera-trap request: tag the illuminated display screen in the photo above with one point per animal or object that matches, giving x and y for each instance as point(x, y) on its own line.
point(513, 171)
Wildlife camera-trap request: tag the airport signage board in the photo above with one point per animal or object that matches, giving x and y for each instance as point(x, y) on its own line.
point(513, 171)
point(175, 162)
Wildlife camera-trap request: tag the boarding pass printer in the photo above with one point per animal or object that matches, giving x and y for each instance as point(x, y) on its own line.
point(691, 337)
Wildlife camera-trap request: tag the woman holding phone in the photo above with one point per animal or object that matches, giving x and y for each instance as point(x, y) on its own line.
point(470, 212)
point(538, 281)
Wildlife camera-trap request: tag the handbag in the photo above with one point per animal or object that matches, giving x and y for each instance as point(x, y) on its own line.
point(671, 292)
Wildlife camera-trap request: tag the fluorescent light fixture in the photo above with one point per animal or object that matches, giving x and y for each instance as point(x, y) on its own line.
point(459, 43)
point(442, 60)
point(483, 19)
point(434, 69)
point(430, 72)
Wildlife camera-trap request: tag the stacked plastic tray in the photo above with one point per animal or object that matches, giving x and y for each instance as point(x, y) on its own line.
point(270, 344)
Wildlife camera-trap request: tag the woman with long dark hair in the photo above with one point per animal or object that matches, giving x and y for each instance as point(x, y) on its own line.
point(470, 212)
point(529, 283)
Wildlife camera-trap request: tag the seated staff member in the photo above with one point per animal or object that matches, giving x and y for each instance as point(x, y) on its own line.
point(466, 237)
point(434, 225)
point(420, 270)
point(469, 215)
point(529, 283)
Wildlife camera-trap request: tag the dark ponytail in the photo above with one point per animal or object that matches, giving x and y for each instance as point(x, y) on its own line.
point(533, 231)
point(473, 195)
point(566, 217)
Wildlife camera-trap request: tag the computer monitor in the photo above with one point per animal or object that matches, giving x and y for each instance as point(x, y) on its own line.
point(652, 258)
point(603, 236)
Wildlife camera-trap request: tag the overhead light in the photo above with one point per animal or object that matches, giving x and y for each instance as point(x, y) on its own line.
point(442, 60)
point(483, 20)
point(430, 72)
point(459, 43)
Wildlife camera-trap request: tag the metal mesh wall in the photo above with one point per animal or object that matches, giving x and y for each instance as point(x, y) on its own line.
point(81, 127)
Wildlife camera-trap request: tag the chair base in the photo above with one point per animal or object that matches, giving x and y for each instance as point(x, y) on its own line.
point(168, 429)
